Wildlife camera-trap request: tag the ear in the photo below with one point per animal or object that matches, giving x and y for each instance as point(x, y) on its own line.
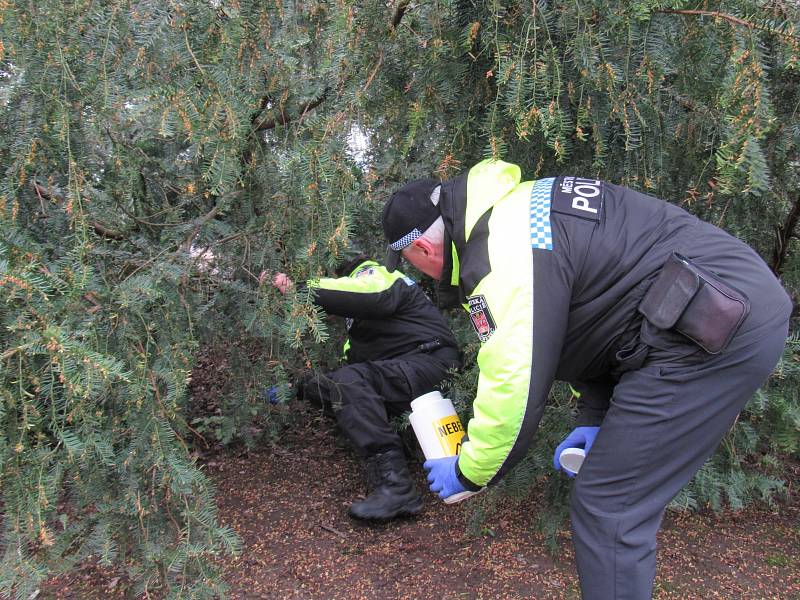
point(423, 247)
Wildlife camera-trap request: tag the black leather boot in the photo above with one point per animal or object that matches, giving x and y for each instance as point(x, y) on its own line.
point(394, 492)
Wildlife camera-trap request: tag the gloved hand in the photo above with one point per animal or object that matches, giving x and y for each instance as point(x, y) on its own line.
point(270, 394)
point(580, 437)
point(442, 475)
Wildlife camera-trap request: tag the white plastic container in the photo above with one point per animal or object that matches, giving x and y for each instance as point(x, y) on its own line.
point(438, 430)
point(436, 425)
point(571, 459)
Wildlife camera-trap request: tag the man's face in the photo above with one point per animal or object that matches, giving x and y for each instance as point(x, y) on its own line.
point(426, 257)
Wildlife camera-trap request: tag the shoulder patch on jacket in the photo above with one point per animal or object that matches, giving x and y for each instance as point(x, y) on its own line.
point(481, 317)
point(366, 272)
point(579, 197)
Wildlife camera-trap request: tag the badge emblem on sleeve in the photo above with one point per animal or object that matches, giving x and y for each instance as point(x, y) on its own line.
point(579, 197)
point(481, 317)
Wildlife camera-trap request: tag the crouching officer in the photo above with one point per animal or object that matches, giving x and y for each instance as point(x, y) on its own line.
point(666, 325)
point(399, 347)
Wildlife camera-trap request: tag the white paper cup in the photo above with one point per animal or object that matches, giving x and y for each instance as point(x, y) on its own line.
point(459, 497)
point(571, 459)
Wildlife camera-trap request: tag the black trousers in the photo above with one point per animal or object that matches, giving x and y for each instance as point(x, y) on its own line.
point(365, 396)
point(666, 418)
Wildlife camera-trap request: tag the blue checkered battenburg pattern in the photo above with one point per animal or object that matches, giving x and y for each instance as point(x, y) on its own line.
point(541, 234)
point(406, 240)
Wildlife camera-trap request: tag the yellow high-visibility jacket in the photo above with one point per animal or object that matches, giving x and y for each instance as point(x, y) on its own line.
point(387, 314)
point(551, 272)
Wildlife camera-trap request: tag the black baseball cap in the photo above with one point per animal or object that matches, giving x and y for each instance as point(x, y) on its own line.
point(406, 215)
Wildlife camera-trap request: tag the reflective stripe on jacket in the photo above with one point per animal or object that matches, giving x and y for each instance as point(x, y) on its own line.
point(551, 272)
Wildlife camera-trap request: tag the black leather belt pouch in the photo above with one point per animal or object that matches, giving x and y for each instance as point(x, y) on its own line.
point(696, 303)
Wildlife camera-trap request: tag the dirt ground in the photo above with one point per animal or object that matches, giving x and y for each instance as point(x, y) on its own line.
point(289, 505)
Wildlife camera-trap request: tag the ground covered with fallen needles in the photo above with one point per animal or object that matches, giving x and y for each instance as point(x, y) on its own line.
point(288, 502)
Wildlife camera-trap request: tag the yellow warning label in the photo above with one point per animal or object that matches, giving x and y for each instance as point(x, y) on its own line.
point(449, 431)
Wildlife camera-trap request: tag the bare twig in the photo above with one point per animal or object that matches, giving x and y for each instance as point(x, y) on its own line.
point(95, 305)
point(726, 17)
point(144, 221)
point(12, 351)
point(189, 48)
point(374, 72)
point(782, 236)
point(106, 232)
point(200, 222)
point(283, 118)
point(101, 229)
point(41, 198)
point(332, 530)
point(198, 434)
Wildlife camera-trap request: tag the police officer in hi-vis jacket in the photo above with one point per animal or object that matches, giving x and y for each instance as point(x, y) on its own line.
point(665, 324)
point(399, 347)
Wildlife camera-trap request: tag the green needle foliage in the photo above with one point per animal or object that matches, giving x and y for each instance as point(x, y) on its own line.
point(161, 160)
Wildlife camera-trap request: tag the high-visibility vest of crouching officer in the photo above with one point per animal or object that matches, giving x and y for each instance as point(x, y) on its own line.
point(399, 347)
point(665, 324)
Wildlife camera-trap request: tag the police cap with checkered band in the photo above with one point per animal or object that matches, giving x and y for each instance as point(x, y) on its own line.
point(406, 215)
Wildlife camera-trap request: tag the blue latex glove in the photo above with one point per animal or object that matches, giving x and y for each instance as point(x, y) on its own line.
point(270, 394)
point(442, 475)
point(580, 437)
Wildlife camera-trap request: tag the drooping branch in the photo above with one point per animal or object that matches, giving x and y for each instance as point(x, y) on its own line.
point(783, 235)
point(708, 13)
point(726, 17)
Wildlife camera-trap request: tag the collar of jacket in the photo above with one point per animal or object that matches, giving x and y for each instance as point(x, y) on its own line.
point(452, 205)
point(462, 202)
